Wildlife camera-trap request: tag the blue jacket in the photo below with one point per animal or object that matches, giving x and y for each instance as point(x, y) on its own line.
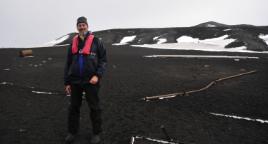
point(93, 64)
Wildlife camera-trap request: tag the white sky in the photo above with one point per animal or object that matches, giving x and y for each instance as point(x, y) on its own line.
point(32, 22)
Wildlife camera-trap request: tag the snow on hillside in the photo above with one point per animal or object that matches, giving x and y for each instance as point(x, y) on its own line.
point(227, 30)
point(220, 41)
point(214, 44)
point(56, 41)
point(160, 40)
point(187, 39)
point(264, 37)
point(210, 25)
point(196, 46)
point(125, 40)
point(188, 43)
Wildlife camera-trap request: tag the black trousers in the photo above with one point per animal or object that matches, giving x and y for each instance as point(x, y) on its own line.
point(75, 104)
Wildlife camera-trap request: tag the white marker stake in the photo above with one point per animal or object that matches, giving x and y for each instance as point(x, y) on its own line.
point(201, 56)
point(241, 118)
point(39, 92)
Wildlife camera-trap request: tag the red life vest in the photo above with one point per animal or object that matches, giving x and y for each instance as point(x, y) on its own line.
point(86, 48)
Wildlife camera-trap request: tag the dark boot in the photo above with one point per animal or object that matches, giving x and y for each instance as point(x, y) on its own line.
point(95, 139)
point(69, 138)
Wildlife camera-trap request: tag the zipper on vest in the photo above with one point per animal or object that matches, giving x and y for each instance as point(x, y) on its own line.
point(81, 62)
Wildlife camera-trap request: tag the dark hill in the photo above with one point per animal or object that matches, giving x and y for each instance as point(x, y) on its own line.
point(245, 35)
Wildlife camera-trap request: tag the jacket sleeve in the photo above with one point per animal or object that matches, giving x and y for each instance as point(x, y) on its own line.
point(67, 65)
point(102, 59)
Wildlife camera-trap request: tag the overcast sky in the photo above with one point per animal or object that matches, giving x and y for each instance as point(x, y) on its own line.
point(33, 22)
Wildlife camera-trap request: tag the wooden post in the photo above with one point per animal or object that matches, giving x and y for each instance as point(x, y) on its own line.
point(24, 53)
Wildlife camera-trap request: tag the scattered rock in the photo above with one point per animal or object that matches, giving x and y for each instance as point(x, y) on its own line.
point(22, 130)
point(242, 70)
point(6, 83)
point(206, 66)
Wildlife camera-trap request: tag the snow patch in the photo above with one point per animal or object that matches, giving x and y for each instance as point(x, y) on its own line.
point(126, 40)
point(188, 43)
point(210, 25)
point(264, 37)
point(220, 41)
point(56, 41)
point(187, 39)
point(196, 46)
point(155, 38)
point(160, 40)
point(227, 30)
point(217, 38)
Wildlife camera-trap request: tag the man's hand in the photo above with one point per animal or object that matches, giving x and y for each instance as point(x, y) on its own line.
point(68, 89)
point(94, 80)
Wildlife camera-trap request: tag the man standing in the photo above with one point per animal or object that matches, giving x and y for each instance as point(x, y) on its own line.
point(85, 66)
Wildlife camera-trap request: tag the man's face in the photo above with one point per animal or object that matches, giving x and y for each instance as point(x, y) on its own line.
point(82, 27)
